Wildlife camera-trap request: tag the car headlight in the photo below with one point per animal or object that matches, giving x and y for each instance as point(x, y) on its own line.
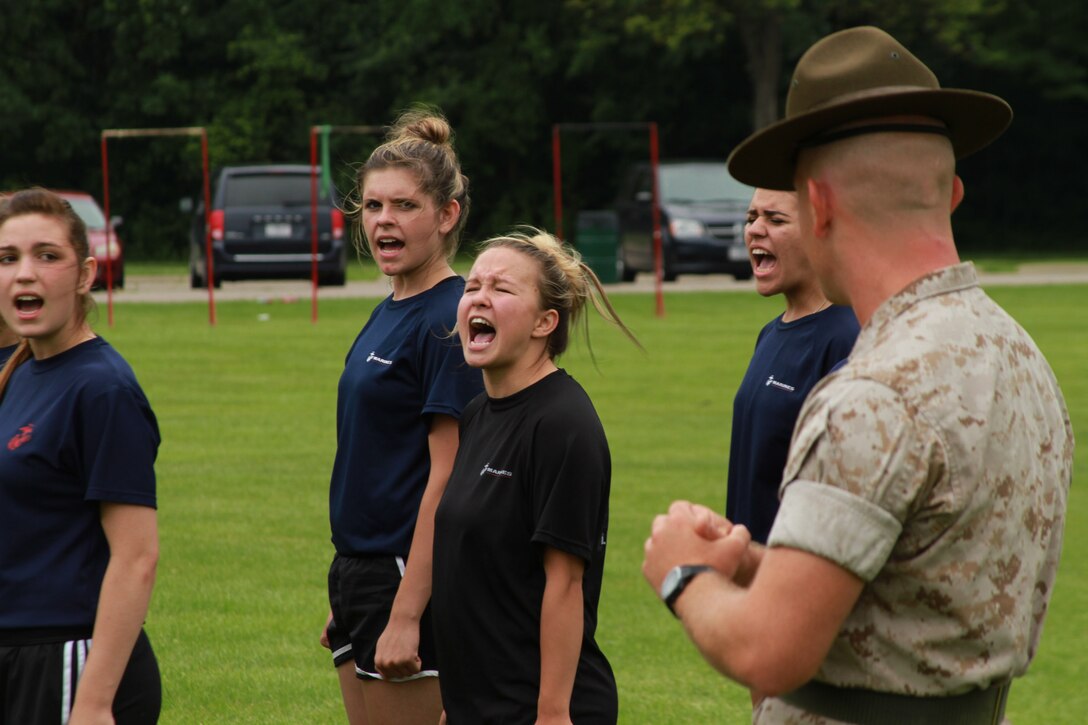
point(100, 250)
point(686, 228)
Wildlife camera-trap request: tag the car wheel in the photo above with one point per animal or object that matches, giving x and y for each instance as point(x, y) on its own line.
point(333, 279)
point(743, 275)
point(626, 273)
point(669, 273)
point(196, 281)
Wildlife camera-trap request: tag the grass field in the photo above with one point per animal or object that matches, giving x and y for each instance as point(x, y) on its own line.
point(247, 416)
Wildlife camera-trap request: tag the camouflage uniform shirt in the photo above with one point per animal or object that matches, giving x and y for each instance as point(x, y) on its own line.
point(935, 466)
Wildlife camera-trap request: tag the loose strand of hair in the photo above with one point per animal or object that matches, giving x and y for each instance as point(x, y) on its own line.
point(603, 305)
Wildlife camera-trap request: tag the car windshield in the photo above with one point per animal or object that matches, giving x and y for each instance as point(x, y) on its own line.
point(88, 211)
point(701, 182)
point(268, 190)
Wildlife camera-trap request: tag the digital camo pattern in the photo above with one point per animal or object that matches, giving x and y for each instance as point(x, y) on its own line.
point(948, 418)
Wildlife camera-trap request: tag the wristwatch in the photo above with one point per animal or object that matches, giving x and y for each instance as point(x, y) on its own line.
point(674, 583)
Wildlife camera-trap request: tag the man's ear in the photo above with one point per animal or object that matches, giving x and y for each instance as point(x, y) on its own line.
point(957, 192)
point(86, 275)
point(820, 201)
point(546, 323)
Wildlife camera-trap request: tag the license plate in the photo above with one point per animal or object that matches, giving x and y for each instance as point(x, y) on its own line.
point(738, 254)
point(277, 230)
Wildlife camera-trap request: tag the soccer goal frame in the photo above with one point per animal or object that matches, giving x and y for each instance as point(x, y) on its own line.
point(325, 132)
point(126, 133)
point(655, 211)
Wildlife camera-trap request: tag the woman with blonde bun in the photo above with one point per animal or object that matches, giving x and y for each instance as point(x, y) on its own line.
point(402, 391)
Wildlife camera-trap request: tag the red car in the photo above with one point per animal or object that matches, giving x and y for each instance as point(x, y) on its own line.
point(88, 210)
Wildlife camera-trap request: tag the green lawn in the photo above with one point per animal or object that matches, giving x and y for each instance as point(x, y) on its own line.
point(247, 415)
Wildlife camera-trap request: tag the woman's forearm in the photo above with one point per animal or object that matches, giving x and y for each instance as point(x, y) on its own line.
point(561, 629)
point(122, 604)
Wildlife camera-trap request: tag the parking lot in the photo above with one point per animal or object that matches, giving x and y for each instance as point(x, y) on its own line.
point(168, 288)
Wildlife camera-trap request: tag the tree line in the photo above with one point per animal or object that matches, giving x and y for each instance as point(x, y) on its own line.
point(259, 73)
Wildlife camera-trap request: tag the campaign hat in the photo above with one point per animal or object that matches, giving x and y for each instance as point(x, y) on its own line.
point(857, 74)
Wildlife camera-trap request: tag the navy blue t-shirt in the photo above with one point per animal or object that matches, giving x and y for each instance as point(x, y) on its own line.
point(403, 367)
point(789, 359)
point(5, 353)
point(75, 429)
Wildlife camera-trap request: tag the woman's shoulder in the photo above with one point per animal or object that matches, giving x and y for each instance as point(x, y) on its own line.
point(100, 367)
point(842, 315)
point(435, 308)
point(836, 323)
point(444, 297)
point(86, 374)
point(100, 352)
point(563, 401)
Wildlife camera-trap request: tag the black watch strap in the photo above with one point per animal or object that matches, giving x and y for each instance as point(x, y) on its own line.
point(676, 581)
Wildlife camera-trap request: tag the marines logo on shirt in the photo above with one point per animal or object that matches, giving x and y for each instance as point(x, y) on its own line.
point(21, 437)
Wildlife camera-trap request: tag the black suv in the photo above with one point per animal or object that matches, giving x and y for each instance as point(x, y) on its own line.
point(703, 210)
point(261, 227)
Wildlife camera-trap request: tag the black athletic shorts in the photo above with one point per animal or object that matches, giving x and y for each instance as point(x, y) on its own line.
point(38, 683)
point(361, 592)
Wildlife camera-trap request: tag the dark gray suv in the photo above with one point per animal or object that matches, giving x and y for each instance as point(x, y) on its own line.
point(261, 227)
point(703, 210)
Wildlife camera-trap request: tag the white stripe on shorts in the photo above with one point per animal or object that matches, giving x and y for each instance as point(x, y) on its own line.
point(400, 565)
point(73, 650)
point(66, 683)
point(376, 676)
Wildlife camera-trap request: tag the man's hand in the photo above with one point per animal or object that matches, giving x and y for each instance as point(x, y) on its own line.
point(693, 534)
point(709, 524)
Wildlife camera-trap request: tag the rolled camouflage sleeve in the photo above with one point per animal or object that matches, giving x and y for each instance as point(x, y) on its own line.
point(859, 462)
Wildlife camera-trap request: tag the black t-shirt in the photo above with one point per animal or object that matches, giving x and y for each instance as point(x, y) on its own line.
point(532, 470)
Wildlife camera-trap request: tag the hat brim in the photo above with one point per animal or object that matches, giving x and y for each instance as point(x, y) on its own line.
point(974, 119)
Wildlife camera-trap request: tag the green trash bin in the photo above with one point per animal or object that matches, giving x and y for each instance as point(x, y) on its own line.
point(596, 237)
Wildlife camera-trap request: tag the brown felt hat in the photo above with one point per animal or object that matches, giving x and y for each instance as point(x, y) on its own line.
point(858, 74)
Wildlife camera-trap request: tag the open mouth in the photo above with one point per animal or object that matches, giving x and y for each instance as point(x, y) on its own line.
point(390, 245)
point(28, 304)
point(480, 333)
point(762, 260)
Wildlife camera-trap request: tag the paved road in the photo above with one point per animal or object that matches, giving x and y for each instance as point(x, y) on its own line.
point(154, 288)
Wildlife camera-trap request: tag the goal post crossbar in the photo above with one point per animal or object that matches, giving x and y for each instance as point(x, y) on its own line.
point(125, 133)
point(655, 210)
point(325, 131)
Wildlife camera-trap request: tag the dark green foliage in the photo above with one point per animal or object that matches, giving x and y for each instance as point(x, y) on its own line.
point(259, 73)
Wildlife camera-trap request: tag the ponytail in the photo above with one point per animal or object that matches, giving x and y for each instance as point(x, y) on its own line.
point(21, 355)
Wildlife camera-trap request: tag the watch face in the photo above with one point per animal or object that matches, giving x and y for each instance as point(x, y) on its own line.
point(668, 584)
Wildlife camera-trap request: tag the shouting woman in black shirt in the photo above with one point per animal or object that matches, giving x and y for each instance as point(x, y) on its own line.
point(520, 532)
